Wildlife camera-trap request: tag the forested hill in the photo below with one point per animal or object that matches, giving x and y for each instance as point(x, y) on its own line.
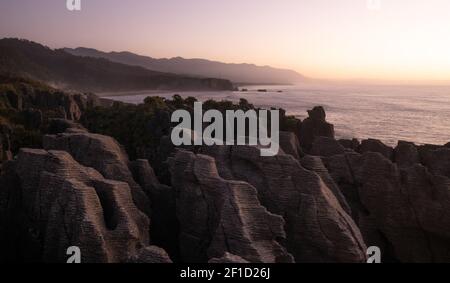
point(63, 70)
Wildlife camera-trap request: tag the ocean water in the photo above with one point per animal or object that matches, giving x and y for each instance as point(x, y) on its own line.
point(420, 114)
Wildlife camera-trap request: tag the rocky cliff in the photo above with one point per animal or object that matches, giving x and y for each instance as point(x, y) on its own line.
point(317, 200)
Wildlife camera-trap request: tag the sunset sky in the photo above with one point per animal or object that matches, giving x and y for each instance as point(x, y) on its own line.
point(344, 39)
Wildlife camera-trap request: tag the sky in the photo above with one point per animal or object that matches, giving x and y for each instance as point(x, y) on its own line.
point(329, 39)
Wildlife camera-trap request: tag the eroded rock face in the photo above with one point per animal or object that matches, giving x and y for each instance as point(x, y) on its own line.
point(406, 154)
point(219, 216)
point(290, 145)
point(404, 211)
point(164, 232)
point(49, 203)
point(437, 161)
point(318, 228)
point(372, 145)
point(102, 153)
point(314, 126)
point(323, 146)
point(315, 164)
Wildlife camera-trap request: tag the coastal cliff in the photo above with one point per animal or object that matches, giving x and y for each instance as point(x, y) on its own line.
point(105, 178)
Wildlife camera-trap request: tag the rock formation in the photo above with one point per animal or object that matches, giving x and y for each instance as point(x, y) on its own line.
point(406, 154)
point(401, 210)
point(219, 216)
point(318, 229)
point(372, 145)
point(323, 146)
point(290, 144)
point(314, 126)
point(102, 153)
point(49, 203)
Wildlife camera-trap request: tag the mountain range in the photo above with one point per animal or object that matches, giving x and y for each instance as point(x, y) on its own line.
point(237, 73)
point(61, 69)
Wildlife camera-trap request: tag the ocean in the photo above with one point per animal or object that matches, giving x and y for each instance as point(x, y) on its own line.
point(390, 113)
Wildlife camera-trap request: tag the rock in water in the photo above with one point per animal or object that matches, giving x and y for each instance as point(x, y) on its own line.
point(50, 203)
point(102, 153)
point(219, 216)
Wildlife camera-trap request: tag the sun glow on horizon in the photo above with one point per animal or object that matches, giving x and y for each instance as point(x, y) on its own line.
point(346, 39)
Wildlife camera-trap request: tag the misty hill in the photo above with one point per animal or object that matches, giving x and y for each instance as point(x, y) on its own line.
point(237, 73)
point(67, 71)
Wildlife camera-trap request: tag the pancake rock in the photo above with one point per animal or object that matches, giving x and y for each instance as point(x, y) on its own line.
point(219, 216)
point(318, 228)
point(404, 211)
point(102, 153)
point(49, 203)
point(372, 145)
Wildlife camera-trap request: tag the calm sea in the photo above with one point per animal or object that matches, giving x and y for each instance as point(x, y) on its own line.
point(419, 114)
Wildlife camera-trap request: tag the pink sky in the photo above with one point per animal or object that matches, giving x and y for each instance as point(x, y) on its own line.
point(404, 39)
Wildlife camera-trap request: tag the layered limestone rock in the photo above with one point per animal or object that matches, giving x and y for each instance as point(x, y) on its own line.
point(315, 164)
point(219, 216)
point(290, 144)
point(406, 154)
point(164, 232)
point(373, 145)
point(318, 228)
point(437, 160)
point(49, 203)
point(102, 153)
point(404, 211)
point(323, 146)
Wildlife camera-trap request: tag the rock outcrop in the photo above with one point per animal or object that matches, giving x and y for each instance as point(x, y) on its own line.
point(102, 153)
point(164, 232)
point(49, 203)
point(219, 216)
point(373, 145)
point(323, 146)
point(318, 229)
point(314, 126)
point(290, 144)
point(406, 154)
point(401, 210)
point(437, 161)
